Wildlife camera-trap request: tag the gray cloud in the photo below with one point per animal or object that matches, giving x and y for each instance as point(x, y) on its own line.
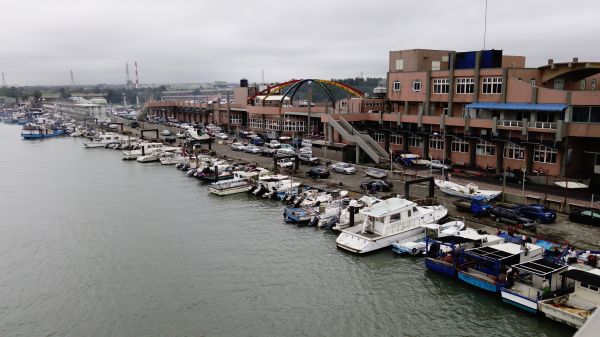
point(194, 41)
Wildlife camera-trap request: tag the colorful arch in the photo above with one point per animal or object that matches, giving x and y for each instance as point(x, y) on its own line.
point(294, 85)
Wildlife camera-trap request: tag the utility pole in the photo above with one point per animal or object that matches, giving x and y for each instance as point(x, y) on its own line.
point(3, 81)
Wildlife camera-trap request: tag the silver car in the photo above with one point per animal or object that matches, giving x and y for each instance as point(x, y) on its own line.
point(344, 168)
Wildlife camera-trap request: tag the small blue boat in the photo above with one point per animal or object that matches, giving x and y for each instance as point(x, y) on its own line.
point(298, 215)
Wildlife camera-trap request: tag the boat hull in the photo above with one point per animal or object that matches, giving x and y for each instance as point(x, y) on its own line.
point(440, 267)
point(41, 136)
point(519, 301)
point(360, 245)
point(229, 191)
point(478, 282)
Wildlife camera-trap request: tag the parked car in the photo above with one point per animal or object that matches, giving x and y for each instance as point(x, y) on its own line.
point(274, 144)
point(511, 216)
point(170, 139)
point(306, 150)
point(252, 149)
point(344, 168)
point(165, 132)
point(257, 141)
point(134, 124)
point(376, 185)
point(184, 126)
point(222, 136)
point(306, 143)
point(285, 152)
point(286, 146)
point(318, 172)
point(537, 212)
point(297, 142)
point(586, 216)
point(308, 158)
point(237, 146)
point(438, 165)
point(267, 151)
point(285, 163)
point(180, 134)
point(515, 176)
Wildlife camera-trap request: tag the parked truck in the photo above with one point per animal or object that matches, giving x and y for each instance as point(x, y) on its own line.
point(478, 205)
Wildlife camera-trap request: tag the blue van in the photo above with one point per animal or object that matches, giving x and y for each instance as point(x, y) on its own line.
point(257, 141)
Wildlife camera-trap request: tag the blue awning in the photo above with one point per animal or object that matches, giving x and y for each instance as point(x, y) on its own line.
point(517, 106)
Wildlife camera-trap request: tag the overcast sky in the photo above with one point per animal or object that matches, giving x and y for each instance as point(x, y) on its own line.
point(207, 40)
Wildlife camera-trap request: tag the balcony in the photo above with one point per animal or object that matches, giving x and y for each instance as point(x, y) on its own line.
point(510, 123)
point(544, 125)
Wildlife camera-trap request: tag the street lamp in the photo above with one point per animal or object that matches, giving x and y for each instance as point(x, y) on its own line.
point(435, 134)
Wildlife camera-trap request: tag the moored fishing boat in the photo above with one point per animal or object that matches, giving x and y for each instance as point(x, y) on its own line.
point(486, 267)
point(418, 247)
point(442, 252)
point(535, 281)
point(582, 299)
point(35, 131)
point(388, 221)
point(241, 182)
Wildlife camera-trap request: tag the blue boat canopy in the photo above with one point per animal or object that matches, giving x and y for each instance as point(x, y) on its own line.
point(517, 106)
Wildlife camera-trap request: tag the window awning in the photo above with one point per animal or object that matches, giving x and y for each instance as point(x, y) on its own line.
point(517, 106)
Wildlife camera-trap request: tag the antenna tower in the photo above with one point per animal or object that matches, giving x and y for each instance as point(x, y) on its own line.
point(127, 77)
point(137, 83)
point(72, 79)
point(3, 80)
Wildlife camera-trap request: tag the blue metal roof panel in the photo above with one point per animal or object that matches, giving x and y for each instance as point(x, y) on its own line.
point(517, 106)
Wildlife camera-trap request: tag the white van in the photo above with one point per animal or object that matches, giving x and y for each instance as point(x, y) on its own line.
point(285, 152)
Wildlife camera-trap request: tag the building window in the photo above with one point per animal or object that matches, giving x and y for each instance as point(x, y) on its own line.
point(415, 141)
point(465, 85)
point(399, 64)
point(272, 124)
point(492, 85)
point(416, 85)
point(344, 104)
point(582, 85)
point(532, 82)
point(441, 86)
point(378, 137)
point(395, 138)
point(593, 84)
point(256, 123)
point(514, 151)
point(459, 145)
point(559, 83)
point(435, 65)
point(485, 148)
point(397, 86)
point(436, 143)
point(544, 154)
point(235, 119)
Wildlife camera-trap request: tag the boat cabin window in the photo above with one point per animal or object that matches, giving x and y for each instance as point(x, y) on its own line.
point(409, 213)
point(589, 287)
point(395, 217)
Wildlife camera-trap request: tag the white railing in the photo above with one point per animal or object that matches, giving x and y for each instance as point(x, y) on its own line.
point(543, 125)
point(510, 123)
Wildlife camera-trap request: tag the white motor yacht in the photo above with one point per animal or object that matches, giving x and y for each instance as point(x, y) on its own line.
point(145, 149)
point(386, 222)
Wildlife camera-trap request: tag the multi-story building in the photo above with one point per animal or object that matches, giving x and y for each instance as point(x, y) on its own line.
point(484, 109)
point(480, 109)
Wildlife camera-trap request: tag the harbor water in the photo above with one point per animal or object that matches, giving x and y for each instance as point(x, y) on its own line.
point(95, 246)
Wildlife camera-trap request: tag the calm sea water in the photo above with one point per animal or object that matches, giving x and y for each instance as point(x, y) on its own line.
point(91, 245)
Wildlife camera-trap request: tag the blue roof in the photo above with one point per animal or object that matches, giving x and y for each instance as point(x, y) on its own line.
point(517, 106)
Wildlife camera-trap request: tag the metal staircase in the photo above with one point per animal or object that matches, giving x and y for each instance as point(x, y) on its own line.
point(364, 141)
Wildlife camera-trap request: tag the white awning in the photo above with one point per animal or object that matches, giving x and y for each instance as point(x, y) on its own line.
point(570, 184)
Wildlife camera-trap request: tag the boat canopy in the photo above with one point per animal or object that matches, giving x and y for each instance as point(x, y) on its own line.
point(540, 267)
point(583, 277)
point(490, 253)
